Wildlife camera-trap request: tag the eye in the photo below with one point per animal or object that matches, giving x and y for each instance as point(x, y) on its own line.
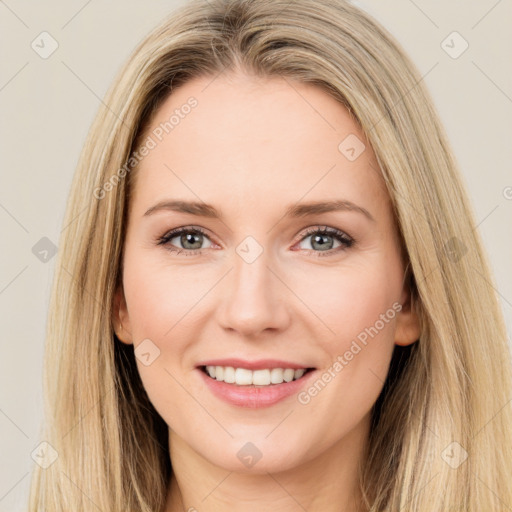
point(190, 240)
point(324, 239)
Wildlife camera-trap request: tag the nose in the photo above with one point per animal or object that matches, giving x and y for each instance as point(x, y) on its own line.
point(254, 298)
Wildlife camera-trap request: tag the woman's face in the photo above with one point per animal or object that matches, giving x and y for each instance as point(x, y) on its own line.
point(288, 259)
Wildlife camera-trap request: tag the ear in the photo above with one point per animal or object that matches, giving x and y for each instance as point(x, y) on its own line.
point(407, 329)
point(121, 318)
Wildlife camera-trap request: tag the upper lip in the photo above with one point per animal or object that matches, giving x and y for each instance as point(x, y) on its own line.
point(259, 364)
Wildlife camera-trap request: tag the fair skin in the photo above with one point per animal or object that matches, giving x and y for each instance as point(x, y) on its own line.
point(252, 148)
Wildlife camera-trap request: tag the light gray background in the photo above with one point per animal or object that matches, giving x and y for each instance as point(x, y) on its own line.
point(47, 106)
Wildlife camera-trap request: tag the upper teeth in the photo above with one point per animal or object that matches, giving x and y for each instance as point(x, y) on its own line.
point(245, 377)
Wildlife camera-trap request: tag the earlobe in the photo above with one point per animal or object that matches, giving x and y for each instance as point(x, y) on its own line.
point(407, 330)
point(120, 318)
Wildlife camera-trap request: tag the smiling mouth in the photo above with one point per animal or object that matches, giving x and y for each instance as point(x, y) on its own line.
point(259, 378)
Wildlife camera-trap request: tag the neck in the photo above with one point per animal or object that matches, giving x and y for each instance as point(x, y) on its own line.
point(326, 483)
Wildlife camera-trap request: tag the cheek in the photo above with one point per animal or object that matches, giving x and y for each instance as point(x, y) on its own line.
point(164, 305)
point(352, 299)
point(359, 306)
point(159, 303)
point(159, 297)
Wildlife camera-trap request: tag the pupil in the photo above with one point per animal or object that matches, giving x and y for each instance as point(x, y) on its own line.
point(189, 237)
point(322, 240)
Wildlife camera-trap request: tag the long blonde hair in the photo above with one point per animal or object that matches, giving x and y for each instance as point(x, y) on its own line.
point(446, 395)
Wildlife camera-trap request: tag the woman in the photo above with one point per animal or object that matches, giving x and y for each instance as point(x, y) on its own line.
point(271, 295)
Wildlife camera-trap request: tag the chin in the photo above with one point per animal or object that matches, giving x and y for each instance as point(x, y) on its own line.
point(255, 456)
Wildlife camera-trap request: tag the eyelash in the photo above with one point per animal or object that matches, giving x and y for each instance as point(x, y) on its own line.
point(343, 238)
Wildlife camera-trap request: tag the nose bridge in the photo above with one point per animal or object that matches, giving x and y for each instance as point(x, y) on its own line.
point(251, 271)
point(253, 300)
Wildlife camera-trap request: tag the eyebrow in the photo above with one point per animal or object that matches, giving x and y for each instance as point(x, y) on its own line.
point(297, 210)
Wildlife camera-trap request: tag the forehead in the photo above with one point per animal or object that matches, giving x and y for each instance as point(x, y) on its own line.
point(241, 140)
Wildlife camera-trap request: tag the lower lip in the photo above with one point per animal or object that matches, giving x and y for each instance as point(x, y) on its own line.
point(254, 397)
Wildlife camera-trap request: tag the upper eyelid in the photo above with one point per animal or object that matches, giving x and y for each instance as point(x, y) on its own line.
point(328, 229)
point(172, 233)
